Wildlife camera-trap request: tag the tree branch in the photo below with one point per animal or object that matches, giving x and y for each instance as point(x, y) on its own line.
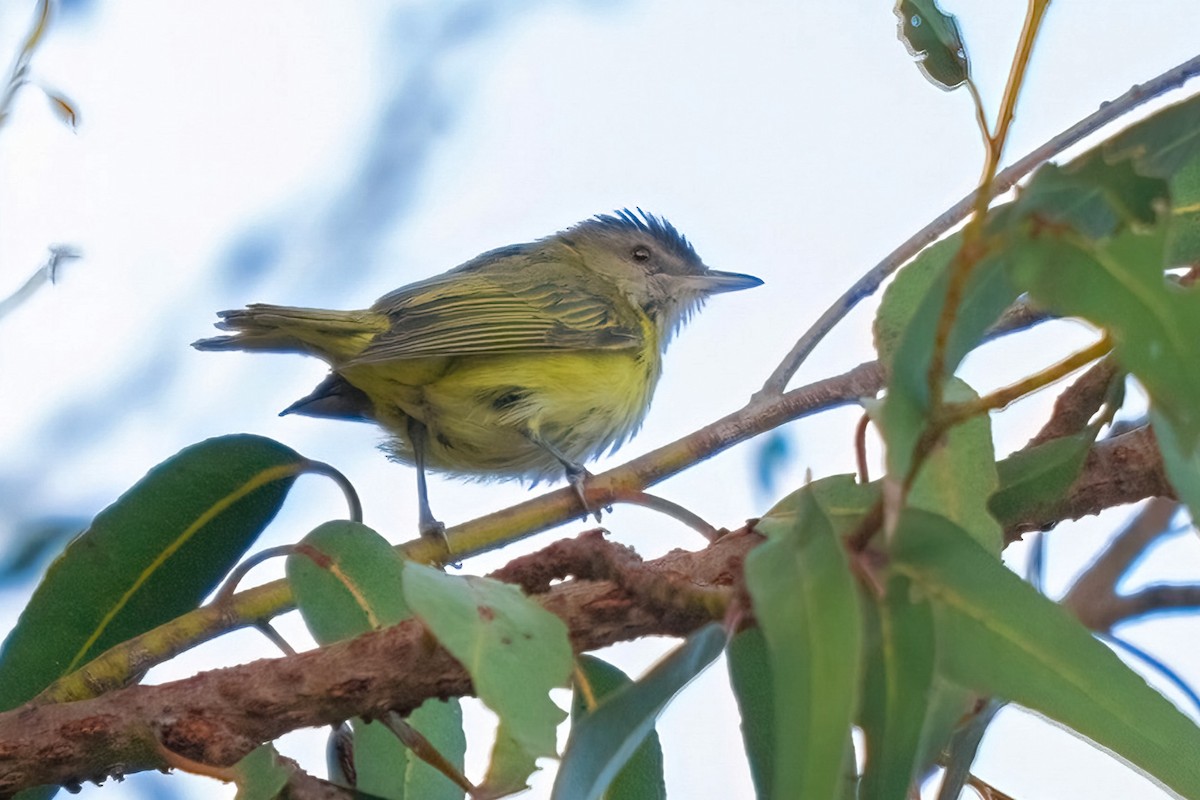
point(1078, 403)
point(112, 669)
point(1154, 599)
point(1119, 470)
point(1093, 597)
point(866, 286)
point(218, 717)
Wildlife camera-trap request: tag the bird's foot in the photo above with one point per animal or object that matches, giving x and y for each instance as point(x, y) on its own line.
point(578, 476)
point(435, 531)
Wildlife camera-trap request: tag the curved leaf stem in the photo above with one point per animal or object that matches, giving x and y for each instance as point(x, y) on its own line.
point(352, 501)
point(971, 251)
point(1001, 398)
point(673, 510)
point(238, 573)
point(116, 666)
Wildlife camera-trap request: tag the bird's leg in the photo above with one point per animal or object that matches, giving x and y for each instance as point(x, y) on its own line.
point(577, 474)
point(418, 436)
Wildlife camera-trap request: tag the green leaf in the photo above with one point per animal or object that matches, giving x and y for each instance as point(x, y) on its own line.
point(36, 793)
point(1034, 478)
point(840, 503)
point(439, 721)
point(753, 687)
point(841, 499)
point(934, 40)
point(152, 555)
point(1010, 642)
point(1119, 285)
point(961, 752)
point(515, 652)
point(1163, 143)
point(1093, 197)
point(904, 296)
point(905, 410)
point(603, 742)
point(260, 776)
point(806, 602)
point(1154, 324)
point(898, 687)
point(642, 776)
point(380, 760)
point(959, 475)
point(1183, 237)
point(347, 580)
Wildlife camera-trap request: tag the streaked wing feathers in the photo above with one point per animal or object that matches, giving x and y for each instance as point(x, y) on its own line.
point(507, 311)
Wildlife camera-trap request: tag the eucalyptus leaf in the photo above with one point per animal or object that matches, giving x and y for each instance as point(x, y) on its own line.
point(959, 475)
point(934, 39)
point(151, 556)
point(260, 776)
point(348, 580)
point(1010, 642)
point(898, 687)
point(806, 602)
point(753, 687)
point(605, 742)
point(515, 652)
point(1034, 478)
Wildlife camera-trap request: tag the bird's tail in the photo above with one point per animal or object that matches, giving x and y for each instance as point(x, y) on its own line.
point(330, 335)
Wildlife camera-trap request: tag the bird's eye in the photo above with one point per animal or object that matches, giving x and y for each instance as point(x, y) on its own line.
point(641, 254)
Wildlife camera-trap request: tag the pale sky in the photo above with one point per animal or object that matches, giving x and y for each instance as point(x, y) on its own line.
point(313, 153)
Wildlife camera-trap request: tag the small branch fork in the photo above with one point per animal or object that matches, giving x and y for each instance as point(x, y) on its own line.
point(218, 717)
point(1094, 597)
point(867, 285)
point(768, 409)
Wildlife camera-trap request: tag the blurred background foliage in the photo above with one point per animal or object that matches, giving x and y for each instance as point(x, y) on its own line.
point(322, 154)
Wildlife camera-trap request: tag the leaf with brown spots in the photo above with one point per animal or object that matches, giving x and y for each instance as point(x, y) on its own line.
point(515, 652)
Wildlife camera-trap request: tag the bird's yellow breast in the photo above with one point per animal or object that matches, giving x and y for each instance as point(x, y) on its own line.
point(483, 413)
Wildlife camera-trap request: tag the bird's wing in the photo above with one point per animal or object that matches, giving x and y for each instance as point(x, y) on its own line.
point(538, 307)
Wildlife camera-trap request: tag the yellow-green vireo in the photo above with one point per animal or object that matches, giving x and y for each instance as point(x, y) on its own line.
point(523, 362)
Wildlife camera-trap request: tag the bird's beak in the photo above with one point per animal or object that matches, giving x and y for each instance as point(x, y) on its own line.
point(714, 281)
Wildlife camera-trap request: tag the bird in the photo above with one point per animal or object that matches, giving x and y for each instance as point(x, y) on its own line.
point(522, 363)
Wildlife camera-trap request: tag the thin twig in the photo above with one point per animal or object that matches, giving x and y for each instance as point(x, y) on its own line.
point(1093, 597)
point(1157, 598)
point(867, 285)
point(396, 668)
point(948, 416)
point(675, 511)
point(1078, 403)
point(47, 273)
point(1016, 80)
point(18, 76)
point(1159, 666)
point(275, 637)
point(986, 790)
point(1001, 398)
point(241, 570)
point(423, 749)
point(353, 504)
point(972, 252)
point(860, 448)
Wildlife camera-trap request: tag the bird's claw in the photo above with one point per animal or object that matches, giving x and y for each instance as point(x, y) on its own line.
point(578, 477)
